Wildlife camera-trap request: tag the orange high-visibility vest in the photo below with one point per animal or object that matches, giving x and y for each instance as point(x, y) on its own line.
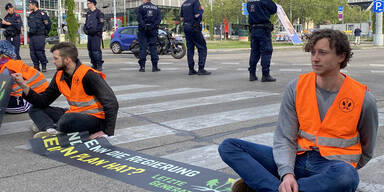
point(78, 100)
point(336, 137)
point(34, 79)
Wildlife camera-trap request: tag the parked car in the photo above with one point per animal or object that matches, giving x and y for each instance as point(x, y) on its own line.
point(52, 40)
point(122, 38)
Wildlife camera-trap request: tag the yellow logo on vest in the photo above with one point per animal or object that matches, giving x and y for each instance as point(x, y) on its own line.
point(346, 105)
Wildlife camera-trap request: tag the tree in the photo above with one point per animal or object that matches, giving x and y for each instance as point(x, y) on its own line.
point(53, 31)
point(72, 23)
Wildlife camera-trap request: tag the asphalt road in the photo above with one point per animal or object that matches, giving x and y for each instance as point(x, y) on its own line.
point(172, 115)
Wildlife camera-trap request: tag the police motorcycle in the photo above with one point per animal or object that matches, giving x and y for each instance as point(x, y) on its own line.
point(167, 44)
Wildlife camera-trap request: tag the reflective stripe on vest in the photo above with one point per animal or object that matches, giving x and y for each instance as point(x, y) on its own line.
point(77, 99)
point(336, 136)
point(30, 74)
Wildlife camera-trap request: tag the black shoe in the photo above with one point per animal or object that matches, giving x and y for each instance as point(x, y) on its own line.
point(203, 72)
point(142, 69)
point(44, 70)
point(268, 79)
point(192, 72)
point(252, 77)
point(155, 69)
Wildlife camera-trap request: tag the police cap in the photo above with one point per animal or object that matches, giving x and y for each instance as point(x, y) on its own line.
point(8, 5)
point(93, 1)
point(34, 2)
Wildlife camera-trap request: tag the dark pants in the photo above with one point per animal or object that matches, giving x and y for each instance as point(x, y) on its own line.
point(56, 118)
point(94, 51)
point(15, 40)
point(195, 38)
point(148, 39)
point(256, 166)
point(37, 51)
point(261, 46)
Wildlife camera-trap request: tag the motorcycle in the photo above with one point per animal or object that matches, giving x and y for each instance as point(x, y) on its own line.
point(167, 44)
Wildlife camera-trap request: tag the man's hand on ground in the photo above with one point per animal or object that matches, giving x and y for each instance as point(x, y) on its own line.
point(98, 135)
point(289, 184)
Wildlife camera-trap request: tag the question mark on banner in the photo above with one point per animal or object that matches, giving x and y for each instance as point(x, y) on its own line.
point(137, 171)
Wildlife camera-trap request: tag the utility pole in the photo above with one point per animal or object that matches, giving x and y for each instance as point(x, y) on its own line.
point(379, 29)
point(25, 21)
point(125, 18)
point(59, 17)
point(114, 15)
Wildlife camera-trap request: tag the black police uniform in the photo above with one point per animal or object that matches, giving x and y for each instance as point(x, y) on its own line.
point(149, 18)
point(39, 27)
point(193, 35)
point(260, 12)
point(12, 32)
point(93, 27)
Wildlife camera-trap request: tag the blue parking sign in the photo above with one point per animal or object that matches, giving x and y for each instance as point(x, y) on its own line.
point(340, 8)
point(378, 6)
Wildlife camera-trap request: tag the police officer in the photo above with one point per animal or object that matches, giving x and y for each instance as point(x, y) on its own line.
point(93, 27)
point(149, 18)
point(261, 42)
point(12, 23)
point(191, 13)
point(39, 27)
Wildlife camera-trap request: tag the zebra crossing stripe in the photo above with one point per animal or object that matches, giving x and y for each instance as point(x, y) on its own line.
point(130, 87)
point(147, 94)
point(186, 103)
point(163, 69)
point(125, 135)
point(22, 126)
point(376, 65)
point(377, 71)
point(208, 156)
point(291, 70)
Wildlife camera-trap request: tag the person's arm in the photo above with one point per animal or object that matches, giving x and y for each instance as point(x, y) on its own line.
point(95, 85)
point(139, 17)
point(196, 9)
point(368, 124)
point(19, 22)
point(100, 22)
point(158, 18)
point(285, 145)
point(271, 6)
point(40, 100)
point(181, 14)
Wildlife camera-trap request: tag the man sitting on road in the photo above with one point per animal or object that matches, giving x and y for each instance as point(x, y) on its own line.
point(34, 79)
point(326, 129)
point(93, 105)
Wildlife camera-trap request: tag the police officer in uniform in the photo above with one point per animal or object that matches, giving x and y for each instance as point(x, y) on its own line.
point(191, 13)
point(12, 23)
point(39, 27)
point(93, 27)
point(149, 18)
point(261, 42)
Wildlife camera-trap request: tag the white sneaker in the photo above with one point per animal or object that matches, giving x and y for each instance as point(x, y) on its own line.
point(41, 134)
point(53, 131)
point(34, 128)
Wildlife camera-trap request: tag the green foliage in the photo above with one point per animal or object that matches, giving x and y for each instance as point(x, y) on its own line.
point(53, 31)
point(72, 23)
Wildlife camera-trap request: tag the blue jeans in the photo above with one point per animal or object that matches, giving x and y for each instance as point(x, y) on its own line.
point(56, 118)
point(255, 165)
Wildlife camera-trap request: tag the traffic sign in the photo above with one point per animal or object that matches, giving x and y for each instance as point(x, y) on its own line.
point(378, 6)
point(340, 8)
point(244, 9)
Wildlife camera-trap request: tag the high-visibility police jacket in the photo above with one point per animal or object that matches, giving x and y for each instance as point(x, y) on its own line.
point(337, 136)
point(34, 79)
point(77, 99)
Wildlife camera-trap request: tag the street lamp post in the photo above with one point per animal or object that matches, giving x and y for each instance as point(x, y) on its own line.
point(125, 18)
point(25, 21)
